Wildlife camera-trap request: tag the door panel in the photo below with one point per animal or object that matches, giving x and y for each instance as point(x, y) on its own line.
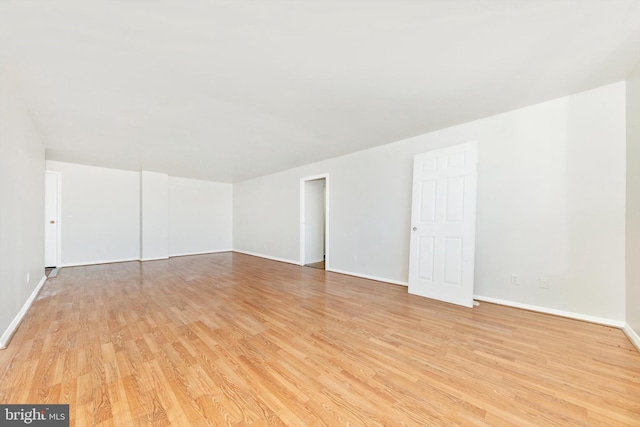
point(453, 261)
point(426, 257)
point(51, 219)
point(455, 199)
point(443, 224)
point(428, 205)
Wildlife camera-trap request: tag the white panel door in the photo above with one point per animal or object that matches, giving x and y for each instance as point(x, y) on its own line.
point(51, 219)
point(443, 224)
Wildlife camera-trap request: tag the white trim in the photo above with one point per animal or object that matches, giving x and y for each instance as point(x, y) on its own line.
point(303, 218)
point(13, 326)
point(366, 276)
point(59, 249)
point(273, 258)
point(313, 261)
point(632, 335)
point(113, 261)
point(315, 177)
point(569, 314)
point(108, 261)
point(199, 253)
point(324, 176)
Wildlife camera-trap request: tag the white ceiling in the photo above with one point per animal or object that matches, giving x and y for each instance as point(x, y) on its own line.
point(229, 90)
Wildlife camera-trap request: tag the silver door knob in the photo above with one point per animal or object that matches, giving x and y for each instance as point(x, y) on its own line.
point(415, 229)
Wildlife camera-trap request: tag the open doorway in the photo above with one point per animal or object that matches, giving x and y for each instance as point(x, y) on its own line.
point(314, 221)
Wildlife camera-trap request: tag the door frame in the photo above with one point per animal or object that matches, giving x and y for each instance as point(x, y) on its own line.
point(58, 217)
point(303, 181)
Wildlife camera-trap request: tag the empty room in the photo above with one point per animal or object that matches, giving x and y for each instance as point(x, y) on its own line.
point(340, 213)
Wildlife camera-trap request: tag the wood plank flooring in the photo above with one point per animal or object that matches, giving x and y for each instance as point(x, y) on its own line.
point(319, 265)
point(230, 339)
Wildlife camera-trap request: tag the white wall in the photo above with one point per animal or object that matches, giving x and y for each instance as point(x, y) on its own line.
point(200, 216)
point(113, 215)
point(154, 213)
point(551, 202)
point(100, 214)
point(21, 205)
point(633, 201)
point(266, 215)
point(314, 221)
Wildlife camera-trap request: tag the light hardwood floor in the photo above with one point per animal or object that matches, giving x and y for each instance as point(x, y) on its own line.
point(319, 265)
point(230, 339)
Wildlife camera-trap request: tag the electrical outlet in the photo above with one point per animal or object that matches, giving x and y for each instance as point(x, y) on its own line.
point(544, 282)
point(515, 279)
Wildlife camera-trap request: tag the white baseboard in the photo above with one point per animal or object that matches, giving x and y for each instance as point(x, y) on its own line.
point(571, 315)
point(633, 336)
point(112, 261)
point(273, 258)
point(13, 326)
point(333, 270)
point(200, 253)
point(154, 259)
point(108, 261)
point(366, 276)
point(314, 261)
